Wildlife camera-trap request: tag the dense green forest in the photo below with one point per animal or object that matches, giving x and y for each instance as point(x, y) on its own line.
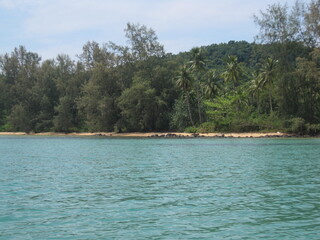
point(270, 85)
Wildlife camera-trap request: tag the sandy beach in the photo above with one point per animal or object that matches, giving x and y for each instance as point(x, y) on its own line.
point(155, 134)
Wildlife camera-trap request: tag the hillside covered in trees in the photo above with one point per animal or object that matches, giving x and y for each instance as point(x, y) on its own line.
point(270, 85)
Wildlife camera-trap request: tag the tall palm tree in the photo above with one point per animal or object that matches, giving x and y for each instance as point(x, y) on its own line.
point(253, 89)
point(211, 86)
point(233, 71)
point(197, 62)
point(197, 66)
point(184, 82)
point(267, 76)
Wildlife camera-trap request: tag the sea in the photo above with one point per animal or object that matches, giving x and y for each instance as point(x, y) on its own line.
point(158, 188)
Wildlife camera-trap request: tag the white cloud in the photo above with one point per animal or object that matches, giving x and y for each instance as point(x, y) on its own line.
point(54, 23)
point(50, 17)
point(63, 16)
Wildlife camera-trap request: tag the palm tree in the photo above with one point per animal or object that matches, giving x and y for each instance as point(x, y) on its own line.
point(197, 66)
point(185, 82)
point(198, 62)
point(233, 71)
point(267, 76)
point(232, 74)
point(253, 89)
point(211, 86)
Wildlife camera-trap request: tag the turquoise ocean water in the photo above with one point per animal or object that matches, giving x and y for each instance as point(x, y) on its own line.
point(109, 188)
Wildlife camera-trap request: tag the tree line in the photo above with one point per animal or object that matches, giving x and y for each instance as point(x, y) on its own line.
point(272, 84)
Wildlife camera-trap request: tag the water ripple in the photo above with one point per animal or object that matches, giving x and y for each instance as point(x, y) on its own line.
point(95, 188)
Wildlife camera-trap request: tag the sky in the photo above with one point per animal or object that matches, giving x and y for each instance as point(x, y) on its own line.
point(52, 27)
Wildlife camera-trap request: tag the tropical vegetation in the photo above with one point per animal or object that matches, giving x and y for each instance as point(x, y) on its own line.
point(272, 84)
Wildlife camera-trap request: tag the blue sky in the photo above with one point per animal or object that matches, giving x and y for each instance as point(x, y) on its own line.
point(51, 27)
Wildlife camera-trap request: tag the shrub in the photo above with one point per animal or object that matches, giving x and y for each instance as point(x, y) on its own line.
point(207, 127)
point(6, 128)
point(244, 125)
point(313, 129)
point(297, 125)
point(191, 130)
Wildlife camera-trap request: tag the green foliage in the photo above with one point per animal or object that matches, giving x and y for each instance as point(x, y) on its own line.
point(191, 130)
point(313, 129)
point(138, 106)
point(185, 83)
point(256, 123)
point(97, 103)
point(212, 83)
point(224, 113)
point(63, 121)
point(216, 54)
point(237, 86)
point(296, 125)
point(6, 127)
point(307, 76)
point(207, 127)
point(19, 119)
point(299, 126)
point(179, 116)
point(233, 71)
point(197, 63)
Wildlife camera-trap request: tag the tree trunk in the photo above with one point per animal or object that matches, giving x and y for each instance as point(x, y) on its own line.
point(189, 109)
point(270, 102)
point(199, 111)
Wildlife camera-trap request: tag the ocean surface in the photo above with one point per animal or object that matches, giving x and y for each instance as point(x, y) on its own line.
point(109, 188)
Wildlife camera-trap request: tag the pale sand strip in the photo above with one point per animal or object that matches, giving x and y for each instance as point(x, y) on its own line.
point(155, 134)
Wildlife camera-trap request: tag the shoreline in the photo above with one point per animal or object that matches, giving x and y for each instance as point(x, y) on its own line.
point(157, 134)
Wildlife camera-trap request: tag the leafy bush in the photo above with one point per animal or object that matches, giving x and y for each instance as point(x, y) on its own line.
point(191, 130)
point(313, 129)
point(6, 128)
point(297, 125)
point(207, 127)
point(244, 125)
point(250, 122)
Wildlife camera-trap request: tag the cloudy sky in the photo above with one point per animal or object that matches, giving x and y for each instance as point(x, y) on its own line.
point(51, 27)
